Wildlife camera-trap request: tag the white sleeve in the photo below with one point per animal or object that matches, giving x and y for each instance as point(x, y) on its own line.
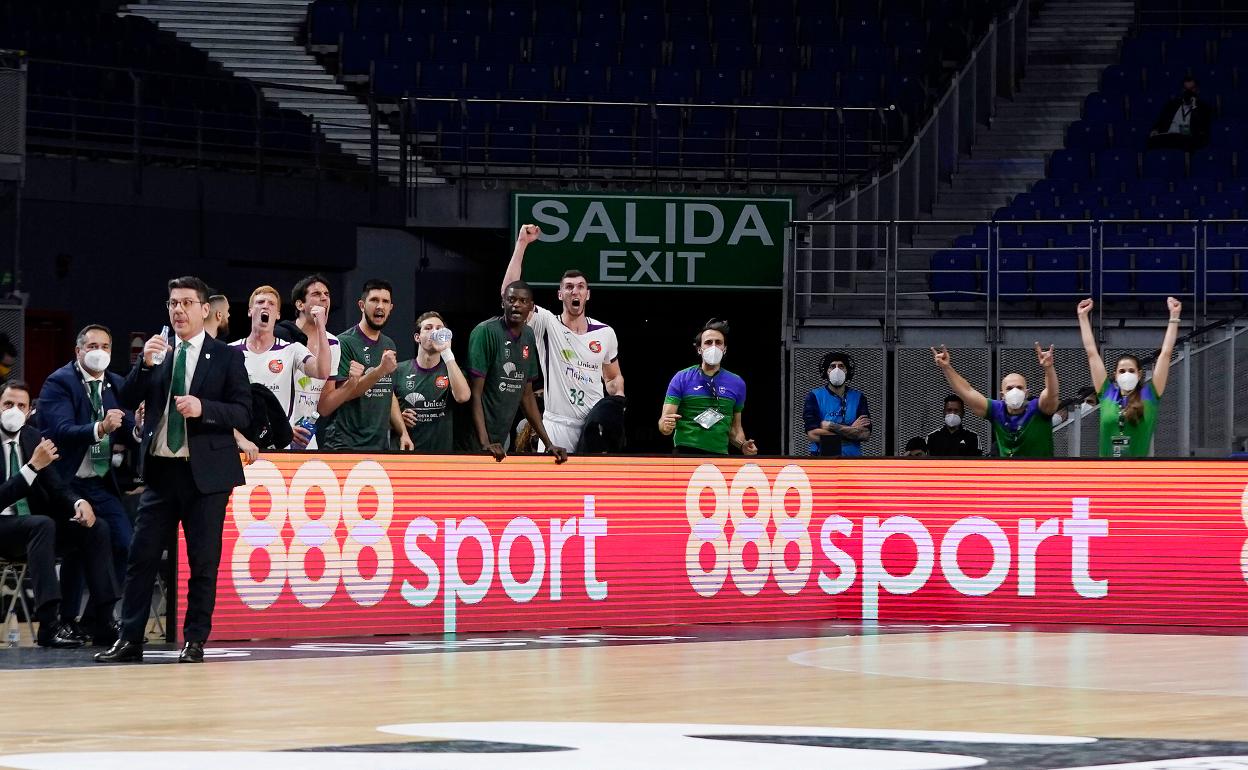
point(541, 320)
point(300, 354)
point(613, 346)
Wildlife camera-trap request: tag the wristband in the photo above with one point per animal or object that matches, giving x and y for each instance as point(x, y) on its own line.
point(448, 356)
point(1174, 321)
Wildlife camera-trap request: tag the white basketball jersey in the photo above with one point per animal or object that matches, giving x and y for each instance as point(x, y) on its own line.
point(572, 363)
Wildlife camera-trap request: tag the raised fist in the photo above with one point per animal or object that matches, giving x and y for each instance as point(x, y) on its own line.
point(528, 234)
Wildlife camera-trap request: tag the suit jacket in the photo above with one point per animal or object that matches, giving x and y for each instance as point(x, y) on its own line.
point(49, 495)
point(221, 384)
point(65, 417)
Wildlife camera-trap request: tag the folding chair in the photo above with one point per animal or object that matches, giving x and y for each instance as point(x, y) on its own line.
point(13, 584)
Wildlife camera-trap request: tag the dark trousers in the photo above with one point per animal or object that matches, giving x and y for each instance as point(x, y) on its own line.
point(171, 497)
point(108, 507)
point(37, 540)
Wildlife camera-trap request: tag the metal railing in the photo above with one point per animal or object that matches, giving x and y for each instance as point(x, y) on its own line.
point(909, 188)
point(999, 269)
point(143, 117)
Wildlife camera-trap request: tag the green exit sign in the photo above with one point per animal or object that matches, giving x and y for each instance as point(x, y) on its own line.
point(674, 242)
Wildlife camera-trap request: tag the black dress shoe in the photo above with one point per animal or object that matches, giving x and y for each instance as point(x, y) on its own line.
point(192, 652)
point(73, 630)
point(121, 652)
point(57, 637)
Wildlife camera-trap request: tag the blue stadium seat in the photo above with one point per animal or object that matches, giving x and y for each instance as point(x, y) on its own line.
point(1164, 164)
point(377, 17)
point(610, 144)
point(1116, 164)
point(1087, 136)
point(1211, 164)
point(1119, 79)
point(1056, 276)
point(551, 50)
point(1159, 273)
point(631, 83)
point(423, 16)
point(1102, 108)
point(688, 26)
point(532, 81)
point(498, 48)
point(556, 143)
point(512, 17)
point(779, 29)
point(585, 82)
point(1069, 164)
point(510, 144)
point(736, 54)
point(454, 47)
point(1130, 135)
point(555, 18)
point(727, 27)
point(1013, 275)
point(328, 20)
point(778, 57)
point(640, 53)
point(600, 22)
point(486, 81)
point(643, 24)
point(674, 84)
point(691, 54)
point(720, 86)
point(358, 50)
point(602, 53)
point(441, 79)
point(954, 276)
point(1115, 274)
point(467, 18)
point(829, 58)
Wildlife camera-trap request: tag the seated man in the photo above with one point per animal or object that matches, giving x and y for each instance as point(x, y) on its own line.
point(39, 515)
point(1184, 121)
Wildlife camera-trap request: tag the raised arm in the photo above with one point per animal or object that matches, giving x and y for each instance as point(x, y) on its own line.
point(527, 234)
point(1096, 365)
point(974, 400)
point(1161, 371)
point(318, 344)
point(1048, 401)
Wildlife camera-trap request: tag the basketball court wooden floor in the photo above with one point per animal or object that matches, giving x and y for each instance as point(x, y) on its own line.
point(790, 696)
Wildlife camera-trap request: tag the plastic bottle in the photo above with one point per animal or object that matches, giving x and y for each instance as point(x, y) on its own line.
point(441, 336)
point(158, 357)
point(308, 423)
point(15, 631)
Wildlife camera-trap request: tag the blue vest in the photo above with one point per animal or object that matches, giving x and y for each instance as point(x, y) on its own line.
point(831, 406)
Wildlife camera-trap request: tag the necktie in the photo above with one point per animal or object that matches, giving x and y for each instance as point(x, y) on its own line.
point(15, 467)
point(175, 432)
point(101, 450)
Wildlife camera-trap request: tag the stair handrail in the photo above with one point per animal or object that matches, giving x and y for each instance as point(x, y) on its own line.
point(987, 47)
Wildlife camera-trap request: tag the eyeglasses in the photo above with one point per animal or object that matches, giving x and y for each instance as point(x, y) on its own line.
point(185, 304)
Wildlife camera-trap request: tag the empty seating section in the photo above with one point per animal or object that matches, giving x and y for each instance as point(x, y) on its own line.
point(753, 55)
point(95, 79)
point(1143, 223)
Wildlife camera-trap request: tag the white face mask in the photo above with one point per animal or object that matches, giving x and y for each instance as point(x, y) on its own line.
point(116, 460)
point(1058, 420)
point(1127, 381)
point(1085, 409)
point(96, 360)
point(712, 356)
point(12, 419)
point(836, 377)
point(1015, 398)
point(953, 420)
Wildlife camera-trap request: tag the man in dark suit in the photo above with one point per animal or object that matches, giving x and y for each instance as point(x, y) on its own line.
point(40, 517)
point(80, 413)
point(196, 394)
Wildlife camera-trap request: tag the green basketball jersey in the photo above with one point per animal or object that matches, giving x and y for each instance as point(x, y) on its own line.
point(426, 391)
point(506, 362)
point(364, 423)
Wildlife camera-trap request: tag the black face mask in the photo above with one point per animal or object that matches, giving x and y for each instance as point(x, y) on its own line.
point(1189, 97)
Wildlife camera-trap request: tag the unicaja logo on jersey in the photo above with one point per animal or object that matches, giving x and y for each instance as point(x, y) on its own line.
point(276, 366)
point(441, 382)
point(595, 346)
point(524, 352)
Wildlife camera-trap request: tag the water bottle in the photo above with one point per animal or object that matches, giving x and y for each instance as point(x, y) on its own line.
point(441, 336)
point(308, 423)
point(15, 631)
point(158, 357)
